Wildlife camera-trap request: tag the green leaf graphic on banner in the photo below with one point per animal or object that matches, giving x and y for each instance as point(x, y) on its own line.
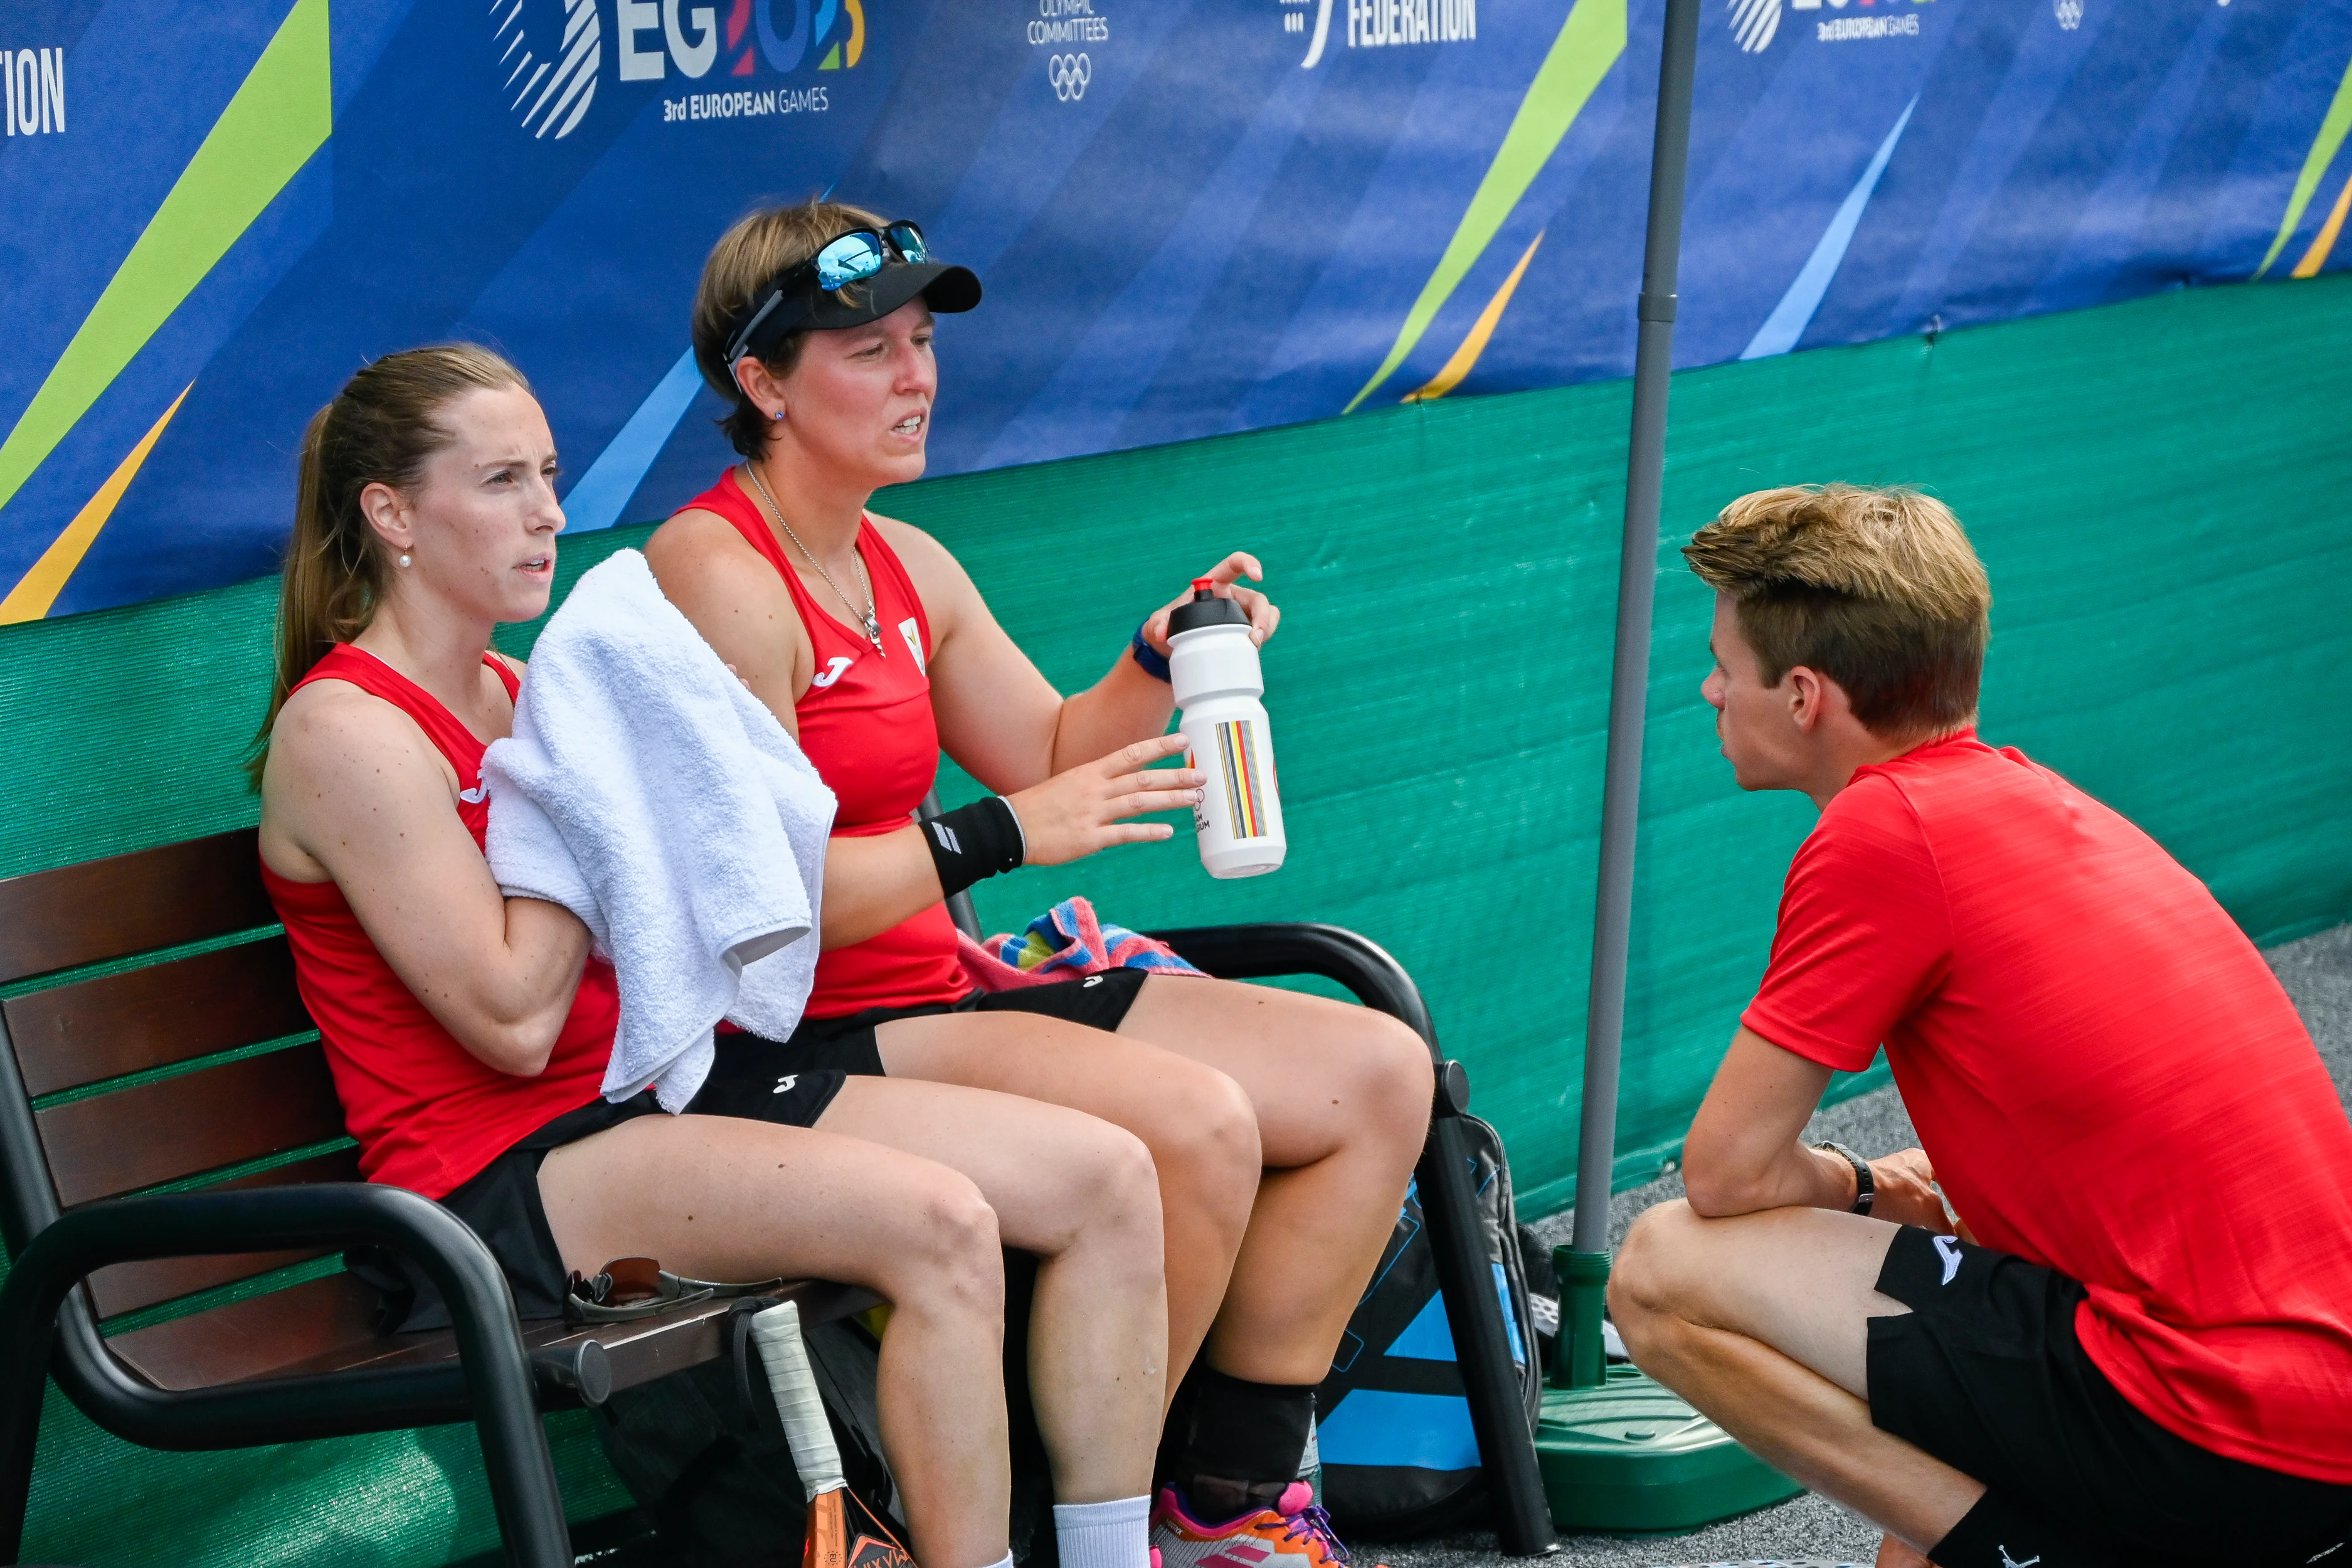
point(280, 115)
point(2332, 130)
point(1590, 42)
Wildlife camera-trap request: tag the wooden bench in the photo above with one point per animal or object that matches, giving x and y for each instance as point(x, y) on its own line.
point(202, 1071)
point(168, 1129)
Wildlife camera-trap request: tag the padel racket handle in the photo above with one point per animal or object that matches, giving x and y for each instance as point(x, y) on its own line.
point(777, 1332)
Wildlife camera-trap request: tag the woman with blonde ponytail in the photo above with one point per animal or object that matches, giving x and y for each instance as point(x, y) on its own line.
point(333, 574)
point(468, 1032)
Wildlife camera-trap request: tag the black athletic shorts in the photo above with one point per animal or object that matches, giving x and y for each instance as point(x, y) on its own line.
point(787, 1082)
point(752, 1072)
point(499, 1203)
point(1985, 1373)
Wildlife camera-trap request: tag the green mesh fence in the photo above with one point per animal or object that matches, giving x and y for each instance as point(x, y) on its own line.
point(2154, 486)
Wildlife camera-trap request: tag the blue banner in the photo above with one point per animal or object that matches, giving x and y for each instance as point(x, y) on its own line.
point(1190, 216)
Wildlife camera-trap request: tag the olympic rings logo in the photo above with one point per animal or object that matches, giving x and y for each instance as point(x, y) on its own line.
point(1069, 74)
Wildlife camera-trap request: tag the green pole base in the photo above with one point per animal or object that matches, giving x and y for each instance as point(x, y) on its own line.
point(1630, 1457)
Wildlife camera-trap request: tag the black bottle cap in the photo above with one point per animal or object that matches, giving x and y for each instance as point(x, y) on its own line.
point(1205, 610)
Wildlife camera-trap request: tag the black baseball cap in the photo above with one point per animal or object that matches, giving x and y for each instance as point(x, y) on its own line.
point(798, 299)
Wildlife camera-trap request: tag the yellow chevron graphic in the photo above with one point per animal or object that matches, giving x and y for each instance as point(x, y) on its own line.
point(280, 114)
point(34, 592)
point(1589, 43)
point(1475, 343)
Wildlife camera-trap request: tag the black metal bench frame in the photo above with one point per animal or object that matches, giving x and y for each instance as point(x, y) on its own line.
point(1482, 1342)
point(493, 1371)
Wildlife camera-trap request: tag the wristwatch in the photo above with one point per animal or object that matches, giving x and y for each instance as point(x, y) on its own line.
point(1865, 1189)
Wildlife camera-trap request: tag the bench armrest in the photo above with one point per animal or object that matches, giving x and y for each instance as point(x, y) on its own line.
point(497, 1371)
point(1490, 1379)
point(1267, 949)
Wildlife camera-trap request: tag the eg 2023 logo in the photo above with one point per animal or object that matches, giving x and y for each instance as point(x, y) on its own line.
point(550, 53)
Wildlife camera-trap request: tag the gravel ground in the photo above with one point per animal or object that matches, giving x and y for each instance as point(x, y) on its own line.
point(2317, 972)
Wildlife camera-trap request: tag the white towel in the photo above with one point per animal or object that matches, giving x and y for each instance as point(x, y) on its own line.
point(647, 791)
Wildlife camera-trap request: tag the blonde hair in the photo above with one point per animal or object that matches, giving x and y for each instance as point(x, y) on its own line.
point(380, 429)
point(1875, 587)
point(739, 266)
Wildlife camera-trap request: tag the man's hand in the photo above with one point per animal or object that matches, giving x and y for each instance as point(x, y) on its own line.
point(1264, 616)
point(1897, 1553)
point(1078, 811)
point(1906, 1192)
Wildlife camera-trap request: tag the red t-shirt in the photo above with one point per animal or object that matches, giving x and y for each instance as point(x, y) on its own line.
point(2109, 1079)
point(428, 1114)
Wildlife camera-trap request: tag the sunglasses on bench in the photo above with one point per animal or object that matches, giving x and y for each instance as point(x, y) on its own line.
point(631, 1287)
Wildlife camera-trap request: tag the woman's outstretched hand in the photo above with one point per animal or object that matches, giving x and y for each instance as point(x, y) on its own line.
point(1080, 810)
point(1264, 616)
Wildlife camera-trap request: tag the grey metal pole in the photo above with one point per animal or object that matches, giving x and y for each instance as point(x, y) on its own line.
point(1621, 801)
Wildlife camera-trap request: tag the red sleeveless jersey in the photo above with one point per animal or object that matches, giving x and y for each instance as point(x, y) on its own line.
point(428, 1112)
point(866, 725)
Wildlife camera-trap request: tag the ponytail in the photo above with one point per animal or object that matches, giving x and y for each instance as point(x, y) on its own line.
point(380, 429)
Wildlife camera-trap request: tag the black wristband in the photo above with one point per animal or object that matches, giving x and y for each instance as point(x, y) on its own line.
point(1866, 1188)
point(975, 841)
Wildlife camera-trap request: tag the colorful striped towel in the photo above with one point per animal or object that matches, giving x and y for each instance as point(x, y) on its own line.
point(1065, 942)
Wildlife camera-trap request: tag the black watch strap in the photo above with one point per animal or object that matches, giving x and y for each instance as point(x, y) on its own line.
point(1865, 1189)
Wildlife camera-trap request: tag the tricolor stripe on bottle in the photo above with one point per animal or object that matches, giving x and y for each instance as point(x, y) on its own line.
point(1245, 797)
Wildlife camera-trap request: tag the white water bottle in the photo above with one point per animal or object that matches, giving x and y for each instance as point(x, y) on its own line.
point(1212, 664)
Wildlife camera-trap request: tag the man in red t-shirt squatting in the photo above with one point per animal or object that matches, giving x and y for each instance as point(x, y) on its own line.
point(2130, 1337)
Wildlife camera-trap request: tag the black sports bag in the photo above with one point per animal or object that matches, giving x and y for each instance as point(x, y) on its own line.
point(1392, 1424)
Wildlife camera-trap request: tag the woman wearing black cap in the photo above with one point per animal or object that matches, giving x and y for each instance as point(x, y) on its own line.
point(1284, 1127)
point(468, 1032)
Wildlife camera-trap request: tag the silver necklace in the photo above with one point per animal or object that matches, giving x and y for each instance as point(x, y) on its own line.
point(871, 619)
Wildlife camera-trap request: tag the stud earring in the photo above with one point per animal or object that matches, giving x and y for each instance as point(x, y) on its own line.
point(779, 415)
point(404, 561)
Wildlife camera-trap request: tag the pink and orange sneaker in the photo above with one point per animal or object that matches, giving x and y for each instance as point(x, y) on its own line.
point(1294, 1533)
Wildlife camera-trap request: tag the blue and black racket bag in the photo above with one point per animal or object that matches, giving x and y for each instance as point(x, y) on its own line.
point(1392, 1426)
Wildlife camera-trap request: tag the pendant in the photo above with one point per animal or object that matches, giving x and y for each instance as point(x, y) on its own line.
point(874, 633)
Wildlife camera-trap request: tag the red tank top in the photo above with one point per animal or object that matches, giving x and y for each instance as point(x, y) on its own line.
point(866, 725)
point(428, 1112)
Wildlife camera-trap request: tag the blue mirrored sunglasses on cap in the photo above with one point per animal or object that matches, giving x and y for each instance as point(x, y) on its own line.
point(862, 252)
point(853, 257)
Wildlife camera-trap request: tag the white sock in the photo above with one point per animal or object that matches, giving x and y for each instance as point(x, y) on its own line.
point(1115, 1534)
point(1004, 1562)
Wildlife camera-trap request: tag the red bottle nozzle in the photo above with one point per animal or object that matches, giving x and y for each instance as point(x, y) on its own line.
point(1203, 588)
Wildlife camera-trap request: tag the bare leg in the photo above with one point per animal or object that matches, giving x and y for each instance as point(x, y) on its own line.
point(1197, 1124)
point(743, 1200)
point(1760, 1322)
point(1342, 1099)
point(1082, 1196)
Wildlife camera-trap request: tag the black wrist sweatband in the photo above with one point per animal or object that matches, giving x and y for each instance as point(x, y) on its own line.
point(975, 841)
